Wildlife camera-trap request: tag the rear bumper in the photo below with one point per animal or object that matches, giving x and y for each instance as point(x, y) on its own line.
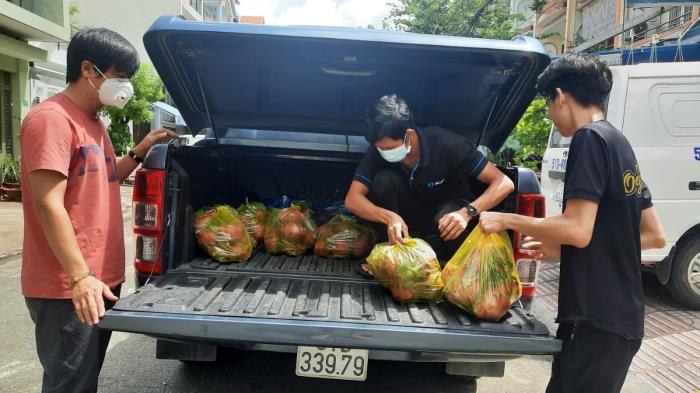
point(235, 330)
point(183, 350)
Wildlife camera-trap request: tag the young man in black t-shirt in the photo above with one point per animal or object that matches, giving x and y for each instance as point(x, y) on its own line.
point(607, 220)
point(419, 178)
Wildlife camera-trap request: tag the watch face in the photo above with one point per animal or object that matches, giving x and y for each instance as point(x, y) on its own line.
point(472, 211)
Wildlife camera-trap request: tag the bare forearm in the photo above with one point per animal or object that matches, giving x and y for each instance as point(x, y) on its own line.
point(494, 194)
point(364, 208)
point(652, 234)
point(553, 230)
point(60, 234)
point(127, 165)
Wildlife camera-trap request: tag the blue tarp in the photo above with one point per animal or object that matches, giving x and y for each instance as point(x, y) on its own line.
point(658, 54)
point(639, 3)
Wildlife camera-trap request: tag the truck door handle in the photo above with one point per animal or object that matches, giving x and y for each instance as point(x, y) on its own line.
point(694, 186)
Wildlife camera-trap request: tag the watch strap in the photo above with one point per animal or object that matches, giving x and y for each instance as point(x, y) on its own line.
point(134, 157)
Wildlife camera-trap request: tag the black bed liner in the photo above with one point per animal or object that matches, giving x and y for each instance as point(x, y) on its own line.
point(306, 287)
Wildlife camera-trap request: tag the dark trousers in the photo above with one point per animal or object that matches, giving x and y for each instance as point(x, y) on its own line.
point(390, 190)
point(70, 351)
point(591, 360)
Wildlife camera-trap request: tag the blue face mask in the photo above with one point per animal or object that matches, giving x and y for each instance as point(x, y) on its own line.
point(396, 155)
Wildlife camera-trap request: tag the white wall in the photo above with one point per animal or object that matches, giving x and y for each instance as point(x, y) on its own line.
point(598, 16)
point(130, 18)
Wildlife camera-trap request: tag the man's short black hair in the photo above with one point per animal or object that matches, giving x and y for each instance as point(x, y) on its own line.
point(587, 78)
point(389, 118)
point(104, 48)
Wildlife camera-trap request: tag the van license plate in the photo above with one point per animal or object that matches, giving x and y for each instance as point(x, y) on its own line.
point(559, 193)
point(332, 363)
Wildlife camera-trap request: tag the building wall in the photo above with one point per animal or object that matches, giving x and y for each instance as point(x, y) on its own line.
point(20, 22)
point(598, 19)
point(597, 16)
point(130, 18)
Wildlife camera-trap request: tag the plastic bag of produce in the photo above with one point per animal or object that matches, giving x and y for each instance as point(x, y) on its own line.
point(481, 277)
point(221, 233)
point(344, 237)
point(410, 271)
point(254, 216)
point(290, 231)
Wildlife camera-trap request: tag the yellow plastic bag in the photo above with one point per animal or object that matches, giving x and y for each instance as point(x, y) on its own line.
point(344, 237)
point(290, 231)
point(221, 233)
point(481, 277)
point(410, 271)
point(254, 216)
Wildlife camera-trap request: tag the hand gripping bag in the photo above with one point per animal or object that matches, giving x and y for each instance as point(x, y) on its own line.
point(411, 271)
point(481, 277)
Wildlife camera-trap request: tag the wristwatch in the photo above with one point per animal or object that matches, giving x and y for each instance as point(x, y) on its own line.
point(76, 279)
point(134, 157)
point(471, 210)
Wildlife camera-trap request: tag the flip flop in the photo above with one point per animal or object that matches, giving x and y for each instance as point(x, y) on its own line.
point(363, 269)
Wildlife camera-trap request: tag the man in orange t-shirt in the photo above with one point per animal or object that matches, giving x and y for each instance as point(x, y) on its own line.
point(73, 257)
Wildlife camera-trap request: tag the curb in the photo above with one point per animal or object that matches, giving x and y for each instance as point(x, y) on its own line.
point(10, 254)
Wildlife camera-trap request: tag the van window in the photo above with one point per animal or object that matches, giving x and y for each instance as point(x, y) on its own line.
point(558, 141)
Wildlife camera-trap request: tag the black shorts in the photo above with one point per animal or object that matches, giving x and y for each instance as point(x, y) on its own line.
point(70, 351)
point(591, 360)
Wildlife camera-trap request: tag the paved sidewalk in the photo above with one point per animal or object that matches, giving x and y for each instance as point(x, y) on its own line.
point(11, 229)
point(669, 359)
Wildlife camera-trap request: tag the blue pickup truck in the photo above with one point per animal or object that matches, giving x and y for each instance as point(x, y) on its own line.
point(284, 108)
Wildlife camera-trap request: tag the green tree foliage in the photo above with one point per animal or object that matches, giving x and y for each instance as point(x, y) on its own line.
point(148, 88)
point(532, 133)
point(466, 18)
point(537, 5)
point(483, 19)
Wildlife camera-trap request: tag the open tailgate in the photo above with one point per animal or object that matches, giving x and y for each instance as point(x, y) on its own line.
point(309, 300)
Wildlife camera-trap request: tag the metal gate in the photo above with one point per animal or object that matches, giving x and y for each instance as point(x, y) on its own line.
point(6, 137)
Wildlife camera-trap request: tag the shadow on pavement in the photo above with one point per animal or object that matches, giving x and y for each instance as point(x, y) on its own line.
point(131, 366)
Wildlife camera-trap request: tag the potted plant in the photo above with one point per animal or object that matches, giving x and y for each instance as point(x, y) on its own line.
point(11, 178)
point(2, 177)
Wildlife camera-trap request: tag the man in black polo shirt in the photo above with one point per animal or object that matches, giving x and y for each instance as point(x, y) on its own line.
point(418, 178)
point(607, 220)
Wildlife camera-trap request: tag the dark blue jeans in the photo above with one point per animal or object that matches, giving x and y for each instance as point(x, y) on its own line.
point(70, 351)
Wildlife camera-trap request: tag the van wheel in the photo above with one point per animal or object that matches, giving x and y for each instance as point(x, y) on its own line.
point(684, 284)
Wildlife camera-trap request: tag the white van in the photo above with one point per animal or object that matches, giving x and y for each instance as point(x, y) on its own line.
point(657, 107)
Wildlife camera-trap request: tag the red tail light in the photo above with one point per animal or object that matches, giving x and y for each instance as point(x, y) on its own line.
point(148, 220)
point(528, 268)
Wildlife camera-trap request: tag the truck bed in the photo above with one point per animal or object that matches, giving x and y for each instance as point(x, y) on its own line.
point(310, 300)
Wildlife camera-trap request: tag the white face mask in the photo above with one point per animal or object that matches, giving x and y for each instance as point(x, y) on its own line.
point(114, 92)
point(398, 154)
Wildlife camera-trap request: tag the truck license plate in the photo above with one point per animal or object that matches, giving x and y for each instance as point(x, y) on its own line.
point(332, 363)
